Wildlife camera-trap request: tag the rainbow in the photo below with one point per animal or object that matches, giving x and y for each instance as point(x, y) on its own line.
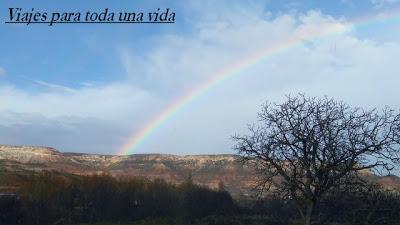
point(235, 69)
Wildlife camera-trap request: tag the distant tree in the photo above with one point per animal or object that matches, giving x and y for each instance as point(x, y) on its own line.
point(221, 186)
point(188, 183)
point(364, 205)
point(9, 209)
point(307, 147)
point(200, 202)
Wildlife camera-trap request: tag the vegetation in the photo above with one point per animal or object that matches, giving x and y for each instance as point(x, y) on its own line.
point(49, 198)
point(306, 149)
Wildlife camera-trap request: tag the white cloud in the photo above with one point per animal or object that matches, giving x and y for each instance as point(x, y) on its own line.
point(340, 65)
point(380, 3)
point(55, 86)
point(2, 72)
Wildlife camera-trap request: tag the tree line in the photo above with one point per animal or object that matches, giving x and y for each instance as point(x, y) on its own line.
point(49, 198)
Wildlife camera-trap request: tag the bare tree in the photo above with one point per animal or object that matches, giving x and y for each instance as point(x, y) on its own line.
point(307, 147)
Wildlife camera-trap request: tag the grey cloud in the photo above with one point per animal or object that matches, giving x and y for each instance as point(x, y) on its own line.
point(68, 134)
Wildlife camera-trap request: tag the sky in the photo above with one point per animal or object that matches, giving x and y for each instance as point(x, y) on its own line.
point(94, 87)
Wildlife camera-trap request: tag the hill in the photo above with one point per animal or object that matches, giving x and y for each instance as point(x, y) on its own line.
point(207, 170)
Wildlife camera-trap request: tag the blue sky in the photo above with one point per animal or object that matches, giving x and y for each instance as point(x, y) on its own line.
point(89, 87)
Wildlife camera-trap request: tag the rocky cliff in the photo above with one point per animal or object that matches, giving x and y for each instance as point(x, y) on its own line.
point(208, 170)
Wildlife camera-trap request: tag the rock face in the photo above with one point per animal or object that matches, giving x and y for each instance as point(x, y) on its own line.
point(208, 170)
point(28, 154)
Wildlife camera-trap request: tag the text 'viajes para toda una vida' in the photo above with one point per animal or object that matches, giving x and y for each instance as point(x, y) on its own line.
point(19, 15)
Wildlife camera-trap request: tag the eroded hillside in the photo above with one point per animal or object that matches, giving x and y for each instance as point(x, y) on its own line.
point(208, 170)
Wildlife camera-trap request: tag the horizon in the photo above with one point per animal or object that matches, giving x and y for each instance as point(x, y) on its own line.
point(104, 154)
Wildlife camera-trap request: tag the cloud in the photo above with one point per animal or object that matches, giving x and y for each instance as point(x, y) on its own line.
point(72, 134)
point(55, 86)
point(101, 117)
point(2, 72)
point(380, 3)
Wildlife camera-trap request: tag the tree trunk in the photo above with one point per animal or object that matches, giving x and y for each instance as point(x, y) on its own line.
point(309, 213)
